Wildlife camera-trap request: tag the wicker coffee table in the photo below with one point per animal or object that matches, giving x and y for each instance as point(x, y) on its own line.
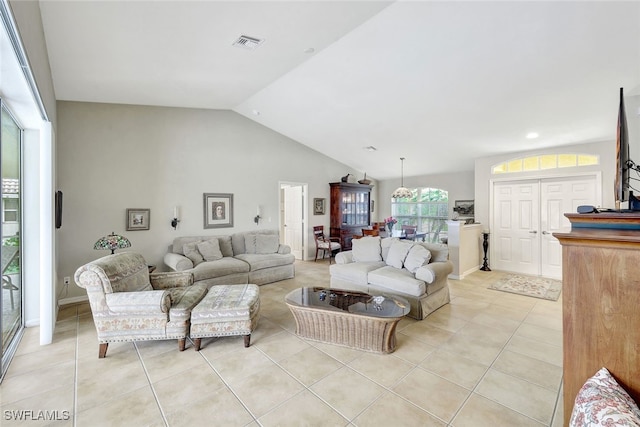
point(348, 318)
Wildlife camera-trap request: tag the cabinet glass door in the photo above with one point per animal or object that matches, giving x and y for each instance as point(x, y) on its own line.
point(355, 208)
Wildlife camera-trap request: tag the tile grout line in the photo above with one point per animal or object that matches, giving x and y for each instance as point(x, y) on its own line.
point(153, 390)
point(228, 387)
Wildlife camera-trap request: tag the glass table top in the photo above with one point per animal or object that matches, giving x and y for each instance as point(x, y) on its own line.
point(349, 301)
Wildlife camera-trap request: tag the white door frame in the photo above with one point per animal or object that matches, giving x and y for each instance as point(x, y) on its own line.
point(304, 201)
point(591, 174)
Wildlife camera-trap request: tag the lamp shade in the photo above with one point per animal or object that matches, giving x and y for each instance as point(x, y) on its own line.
point(402, 192)
point(112, 242)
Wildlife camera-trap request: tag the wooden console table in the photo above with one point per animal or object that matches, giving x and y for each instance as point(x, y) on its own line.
point(600, 301)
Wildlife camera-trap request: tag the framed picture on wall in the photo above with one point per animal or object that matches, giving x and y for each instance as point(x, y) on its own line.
point(138, 219)
point(318, 206)
point(218, 210)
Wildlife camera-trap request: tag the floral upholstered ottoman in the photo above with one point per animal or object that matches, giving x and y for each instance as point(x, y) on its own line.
point(226, 310)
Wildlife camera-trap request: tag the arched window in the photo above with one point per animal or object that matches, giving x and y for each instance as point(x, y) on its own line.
point(545, 162)
point(427, 208)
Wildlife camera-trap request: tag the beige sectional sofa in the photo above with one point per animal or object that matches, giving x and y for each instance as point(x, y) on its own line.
point(416, 271)
point(247, 257)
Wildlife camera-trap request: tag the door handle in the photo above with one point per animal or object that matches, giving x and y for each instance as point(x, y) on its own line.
point(533, 231)
point(545, 232)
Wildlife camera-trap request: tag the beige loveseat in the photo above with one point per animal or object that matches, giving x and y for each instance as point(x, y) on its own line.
point(247, 257)
point(416, 271)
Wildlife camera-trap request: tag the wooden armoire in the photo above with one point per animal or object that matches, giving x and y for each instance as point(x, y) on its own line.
point(600, 301)
point(350, 211)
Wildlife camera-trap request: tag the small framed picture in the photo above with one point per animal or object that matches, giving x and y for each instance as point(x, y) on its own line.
point(218, 210)
point(138, 219)
point(318, 206)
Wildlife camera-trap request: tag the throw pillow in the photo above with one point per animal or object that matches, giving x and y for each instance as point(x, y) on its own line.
point(225, 245)
point(267, 243)
point(210, 250)
point(386, 245)
point(417, 257)
point(191, 251)
point(250, 244)
point(602, 401)
point(439, 253)
point(366, 249)
point(397, 253)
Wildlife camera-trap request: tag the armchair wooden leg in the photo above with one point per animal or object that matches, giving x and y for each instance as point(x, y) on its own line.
point(247, 340)
point(196, 343)
point(181, 343)
point(102, 350)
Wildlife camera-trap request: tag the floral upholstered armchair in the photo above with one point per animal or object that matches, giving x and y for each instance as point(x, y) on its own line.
point(129, 304)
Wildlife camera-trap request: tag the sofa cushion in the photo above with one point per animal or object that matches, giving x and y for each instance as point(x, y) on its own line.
point(603, 402)
point(261, 261)
point(356, 272)
point(385, 245)
point(222, 267)
point(238, 239)
point(397, 280)
point(249, 244)
point(439, 252)
point(366, 249)
point(418, 256)
point(225, 245)
point(210, 250)
point(397, 253)
point(267, 243)
point(191, 251)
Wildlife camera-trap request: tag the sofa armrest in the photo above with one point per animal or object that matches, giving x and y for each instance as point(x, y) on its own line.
point(345, 257)
point(284, 249)
point(434, 271)
point(148, 302)
point(177, 262)
point(174, 279)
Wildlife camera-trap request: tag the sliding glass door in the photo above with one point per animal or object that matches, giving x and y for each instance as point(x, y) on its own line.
point(11, 298)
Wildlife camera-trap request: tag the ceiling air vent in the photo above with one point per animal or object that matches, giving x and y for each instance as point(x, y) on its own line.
point(247, 42)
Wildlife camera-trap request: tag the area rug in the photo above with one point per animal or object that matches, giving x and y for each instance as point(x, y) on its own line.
point(531, 286)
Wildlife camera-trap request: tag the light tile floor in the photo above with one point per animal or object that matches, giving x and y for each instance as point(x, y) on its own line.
point(487, 359)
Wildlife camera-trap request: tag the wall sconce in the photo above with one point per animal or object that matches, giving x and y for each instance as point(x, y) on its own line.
point(175, 220)
point(257, 217)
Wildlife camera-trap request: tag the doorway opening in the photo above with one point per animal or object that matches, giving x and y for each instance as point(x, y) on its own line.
point(293, 217)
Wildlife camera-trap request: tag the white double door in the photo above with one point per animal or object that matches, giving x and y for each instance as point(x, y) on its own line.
point(526, 213)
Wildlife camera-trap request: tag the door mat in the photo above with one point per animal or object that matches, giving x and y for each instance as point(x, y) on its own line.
point(531, 286)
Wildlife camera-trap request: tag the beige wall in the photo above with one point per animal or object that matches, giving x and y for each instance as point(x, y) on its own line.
point(114, 157)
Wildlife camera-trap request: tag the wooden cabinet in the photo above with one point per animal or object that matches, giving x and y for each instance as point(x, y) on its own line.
point(600, 301)
point(350, 211)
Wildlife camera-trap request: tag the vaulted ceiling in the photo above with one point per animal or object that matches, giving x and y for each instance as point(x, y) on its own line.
point(440, 83)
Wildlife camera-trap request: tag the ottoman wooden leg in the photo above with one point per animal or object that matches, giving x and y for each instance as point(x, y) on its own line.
point(196, 343)
point(181, 343)
point(247, 340)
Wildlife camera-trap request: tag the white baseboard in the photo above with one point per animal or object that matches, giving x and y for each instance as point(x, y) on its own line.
point(463, 275)
point(73, 300)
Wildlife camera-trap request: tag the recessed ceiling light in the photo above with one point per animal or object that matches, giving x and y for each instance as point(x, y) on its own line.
point(532, 135)
point(309, 50)
point(370, 148)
